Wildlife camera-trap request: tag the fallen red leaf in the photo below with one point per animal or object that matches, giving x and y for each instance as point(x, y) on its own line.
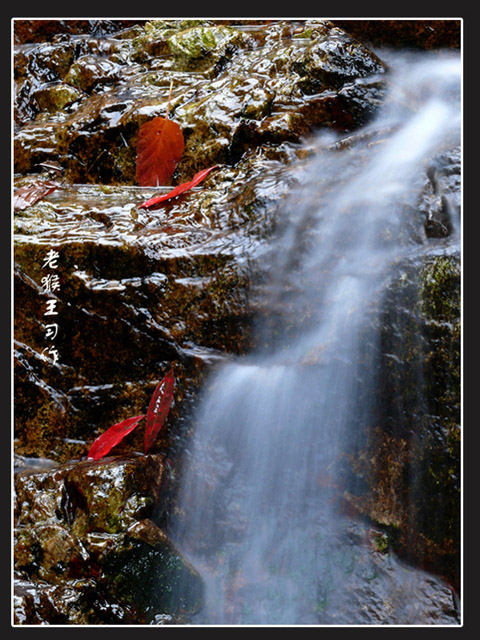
point(30, 194)
point(158, 409)
point(159, 149)
point(178, 190)
point(112, 437)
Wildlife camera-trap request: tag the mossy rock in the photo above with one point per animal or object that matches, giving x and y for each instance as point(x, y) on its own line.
point(200, 47)
point(111, 495)
point(89, 71)
point(126, 81)
point(332, 62)
point(152, 41)
point(84, 526)
point(56, 96)
point(407, 466)
point(154, 578)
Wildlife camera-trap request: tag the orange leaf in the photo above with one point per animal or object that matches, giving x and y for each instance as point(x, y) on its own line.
point(178, 190)
point(159, 149)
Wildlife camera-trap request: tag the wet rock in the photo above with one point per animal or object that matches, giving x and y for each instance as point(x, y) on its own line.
point(34, 66)
point(368, 586)
point(110, 497)
point(47, 30)
point(86, 551)
point(89, 72)
point(75, 602)
point(284, 127)
point(334, 61)
point(47, 61)
point(200, 47)
point(37, 142)
point(408, 466)
point(441, 196)
point(233, 81)
point(43, 410)
point(146, 576)
point(351, 107)
point(287, 94)
point(56, 96)
point(138, 290)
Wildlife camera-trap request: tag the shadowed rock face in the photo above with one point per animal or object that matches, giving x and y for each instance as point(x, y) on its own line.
point(47, 30)
point(144, 289)
point(418, 34)
point(405, 465)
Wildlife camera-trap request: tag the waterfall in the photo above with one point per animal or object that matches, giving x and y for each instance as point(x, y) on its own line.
point(258, 518)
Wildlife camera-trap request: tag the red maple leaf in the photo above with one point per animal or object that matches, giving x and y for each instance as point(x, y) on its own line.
point(178, 190)
point(112, 436)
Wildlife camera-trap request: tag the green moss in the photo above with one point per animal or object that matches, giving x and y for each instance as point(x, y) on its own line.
point(154, 579)
point(153, 27)
point(56, 97)
point(307, 33)
point(420, 387)
point(197, 43)
point(381, 542)
point(441, 288)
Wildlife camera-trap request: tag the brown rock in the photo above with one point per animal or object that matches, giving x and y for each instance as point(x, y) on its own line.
point(421, 34)
point(86, 550)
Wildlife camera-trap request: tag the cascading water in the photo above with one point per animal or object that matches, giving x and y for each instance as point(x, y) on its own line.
point(258, 520)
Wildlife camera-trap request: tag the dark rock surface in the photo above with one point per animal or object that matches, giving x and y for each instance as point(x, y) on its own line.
point(86, 550)
point(405, 465)
point(418, 33)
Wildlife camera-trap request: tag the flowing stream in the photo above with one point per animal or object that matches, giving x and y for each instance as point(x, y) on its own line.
point(257, 519)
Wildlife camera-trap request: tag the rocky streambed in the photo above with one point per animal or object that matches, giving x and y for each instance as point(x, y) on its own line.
point(137, 291)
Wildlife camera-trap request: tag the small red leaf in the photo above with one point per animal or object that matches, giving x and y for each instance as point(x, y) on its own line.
point(158, 409)
point(159, 149)
point(178, 190)
point(112, 437)
point(30, 194)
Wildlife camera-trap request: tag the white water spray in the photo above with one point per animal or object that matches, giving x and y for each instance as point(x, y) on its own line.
point(271, 428)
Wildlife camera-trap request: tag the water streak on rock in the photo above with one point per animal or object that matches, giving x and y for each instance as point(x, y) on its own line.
point(265, 498)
